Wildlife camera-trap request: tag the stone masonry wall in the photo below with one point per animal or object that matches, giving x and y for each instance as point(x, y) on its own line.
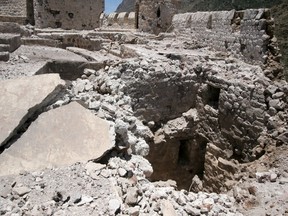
point(13, 11)
point(246, 34)
point(68, 14)
point(156, 16)
point(220, 113)
point(13, 8)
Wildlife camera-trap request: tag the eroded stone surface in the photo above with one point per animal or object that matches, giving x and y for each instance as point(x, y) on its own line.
point(58, 137)
point(22, 98)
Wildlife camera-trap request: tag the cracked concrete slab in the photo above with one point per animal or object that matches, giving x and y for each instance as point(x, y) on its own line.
point(56, 138)
point(22, 98)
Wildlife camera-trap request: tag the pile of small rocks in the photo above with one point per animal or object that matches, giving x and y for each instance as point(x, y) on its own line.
point(118, 188)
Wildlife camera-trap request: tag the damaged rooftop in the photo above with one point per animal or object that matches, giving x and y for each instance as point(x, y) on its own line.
point(149, 110)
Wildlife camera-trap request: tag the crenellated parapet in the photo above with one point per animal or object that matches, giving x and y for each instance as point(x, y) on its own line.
point(123, 20)
point(247, 34)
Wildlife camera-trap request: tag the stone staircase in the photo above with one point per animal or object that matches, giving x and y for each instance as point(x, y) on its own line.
point(8, 44)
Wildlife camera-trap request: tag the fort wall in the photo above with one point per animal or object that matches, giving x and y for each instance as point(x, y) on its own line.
point(246, 34)
point(13, 10)
point(68, 14)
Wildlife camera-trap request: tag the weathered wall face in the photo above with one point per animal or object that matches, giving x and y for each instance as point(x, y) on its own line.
point(155, 16)
point(68, 14)
point(246, 34)
point(13, 11)
point(207, 121)
point(13, 8)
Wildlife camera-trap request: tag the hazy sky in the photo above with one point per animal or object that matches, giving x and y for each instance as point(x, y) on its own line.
point(111, 5)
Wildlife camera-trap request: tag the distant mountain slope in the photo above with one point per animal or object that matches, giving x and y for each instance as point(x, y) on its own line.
point(126, 6)
point(214, 5)
point(280, 14)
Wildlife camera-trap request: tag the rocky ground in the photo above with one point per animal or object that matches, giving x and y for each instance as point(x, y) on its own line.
point(117, 183)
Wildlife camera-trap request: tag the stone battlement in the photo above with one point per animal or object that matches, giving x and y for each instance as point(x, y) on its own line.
point(119, 20)
point(246, 34)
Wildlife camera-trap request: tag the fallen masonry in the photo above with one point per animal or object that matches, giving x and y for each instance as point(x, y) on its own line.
point(19, 101)
point(188, 122)
point(56, 138)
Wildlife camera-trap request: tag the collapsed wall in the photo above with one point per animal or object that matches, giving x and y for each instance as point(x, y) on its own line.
point(68, 14)
point(247, 34)
point(207, 121)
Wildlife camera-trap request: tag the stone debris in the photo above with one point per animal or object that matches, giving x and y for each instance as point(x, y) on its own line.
point(118, 195)
point(146, 123)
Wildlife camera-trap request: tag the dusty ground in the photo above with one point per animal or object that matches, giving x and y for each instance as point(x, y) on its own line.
point(27, 60)
point(268, 185)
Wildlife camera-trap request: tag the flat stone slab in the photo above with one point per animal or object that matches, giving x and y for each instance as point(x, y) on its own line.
point(22, 98)
point(58, 138)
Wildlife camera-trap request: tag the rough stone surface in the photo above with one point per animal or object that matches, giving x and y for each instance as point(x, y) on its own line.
point(68, 14)
point(203, 102)
point(247, 37)
point(58, 137)
point(22, 98)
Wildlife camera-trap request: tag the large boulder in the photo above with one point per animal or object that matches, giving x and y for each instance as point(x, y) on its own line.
point(22, 98)
point(59, 137)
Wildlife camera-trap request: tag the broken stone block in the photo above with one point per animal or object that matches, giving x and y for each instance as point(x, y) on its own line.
point(167, 208)
point(21, 98)
point(21, 191)
point(59, 137)
point(114, 206)
point(4, 56)
point(283, 137)
point(132, 196)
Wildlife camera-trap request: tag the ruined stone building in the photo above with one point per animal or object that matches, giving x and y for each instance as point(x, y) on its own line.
point(199, 95)
point(67, 14)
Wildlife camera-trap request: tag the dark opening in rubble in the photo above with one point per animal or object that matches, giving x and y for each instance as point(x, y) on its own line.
point(67, 70)
point(30, 12)
point(213, 96)
point(158, 12)
point(179, 160)
point(183, 155)
point(209, 23)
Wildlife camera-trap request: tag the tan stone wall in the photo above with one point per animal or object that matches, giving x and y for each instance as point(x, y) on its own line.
point(15, 8)
point(247, 34)
point(68, 14)
point(155, 16)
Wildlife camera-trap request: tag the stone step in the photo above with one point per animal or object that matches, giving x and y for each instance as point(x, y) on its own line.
point(4, 48)
point(4, 56)
point(13, 40)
